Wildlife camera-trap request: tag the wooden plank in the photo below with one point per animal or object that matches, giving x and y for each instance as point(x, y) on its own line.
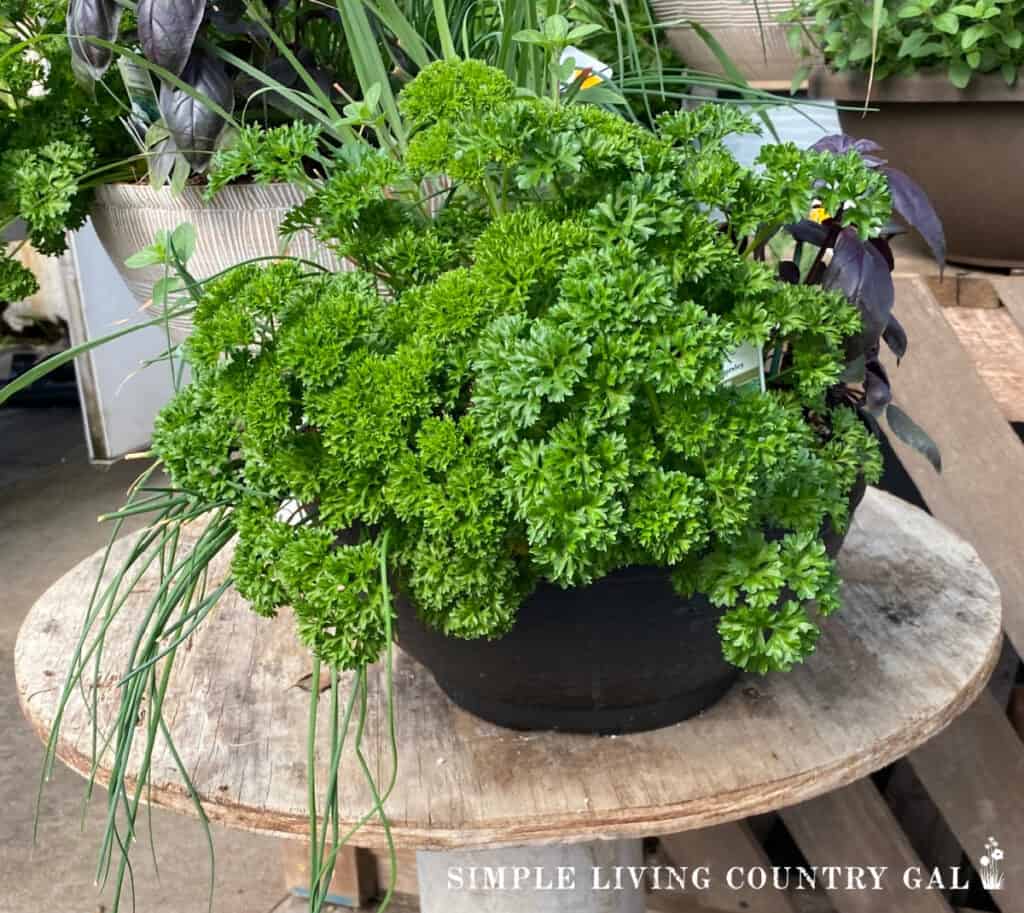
point(979, 492)
point(995, 344)
point(354, 880)
point(719, 848)
point(973, 772)
point(920, 818)
point(963, 290)
point(1011, 293)
point(854, 826)
point(406, 882)
point(952, 285)
point(1016, 710)
point(917, 639)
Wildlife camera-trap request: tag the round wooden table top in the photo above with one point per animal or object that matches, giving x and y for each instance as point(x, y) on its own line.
point(912, 648)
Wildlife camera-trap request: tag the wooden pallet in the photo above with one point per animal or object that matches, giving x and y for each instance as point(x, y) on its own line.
point(963, 380)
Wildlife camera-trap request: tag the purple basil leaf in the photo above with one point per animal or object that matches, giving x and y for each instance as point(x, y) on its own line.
point(840, 144)
point(789, 272)
point(810, 232)
point(194, 126)
point(911, 202)
point(161, 161)
point(895, 338)
point(855, 371)
point(877, 390)
point(891, 230)
point(92, 19)
point(860, 272)
point(167, 30)
point(913, 435)
point(882, 246)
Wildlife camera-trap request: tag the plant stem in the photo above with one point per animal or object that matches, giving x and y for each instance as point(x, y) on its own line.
point(652, 398)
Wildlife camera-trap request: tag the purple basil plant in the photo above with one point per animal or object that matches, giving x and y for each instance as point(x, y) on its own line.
point(862, 271)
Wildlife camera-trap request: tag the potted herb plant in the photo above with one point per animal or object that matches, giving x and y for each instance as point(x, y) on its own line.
point(54, 138)
point(198, 74)
point(591, 391)
point(732, 37)
point(944, 98)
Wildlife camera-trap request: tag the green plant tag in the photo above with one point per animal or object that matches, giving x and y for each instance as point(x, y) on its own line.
point(139, 85)
point(743, 368)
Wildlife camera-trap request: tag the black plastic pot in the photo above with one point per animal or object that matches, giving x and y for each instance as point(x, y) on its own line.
point(623, 654)
point(620, 655)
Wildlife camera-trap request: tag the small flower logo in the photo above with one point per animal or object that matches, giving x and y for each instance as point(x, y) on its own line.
point(990, 870)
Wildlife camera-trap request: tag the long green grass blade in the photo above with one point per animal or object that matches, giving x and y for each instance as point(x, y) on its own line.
point(168, 77)
point(444, 30)
point(395, 21)
point(877, 8)
point(62, 358)
point(732, 71)
point(286, 52)
point(369, 63)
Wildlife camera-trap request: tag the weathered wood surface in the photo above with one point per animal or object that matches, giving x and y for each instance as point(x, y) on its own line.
point(968, 768)
point(995, 344)
point(979, 492)
point(854, 826)
point(353, 882)
point(911, 650)
point(973, 773)
point(1011, 294)
point(719, 848)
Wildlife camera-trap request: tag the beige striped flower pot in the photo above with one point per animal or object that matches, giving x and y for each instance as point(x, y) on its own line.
point(241, 222)
point(758, 47)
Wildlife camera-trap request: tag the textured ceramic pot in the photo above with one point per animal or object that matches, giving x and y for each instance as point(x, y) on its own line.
point(749, 33)
point(241, 222)
point(962, 146)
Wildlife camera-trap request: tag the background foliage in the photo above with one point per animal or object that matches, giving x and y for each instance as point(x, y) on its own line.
point(959, 38)
point(53, 132)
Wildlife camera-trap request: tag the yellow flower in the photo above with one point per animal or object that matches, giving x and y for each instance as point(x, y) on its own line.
point(818, 215)
point(592, 80)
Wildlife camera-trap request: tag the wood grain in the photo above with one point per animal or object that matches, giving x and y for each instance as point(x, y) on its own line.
point(718, 848)
point(967, 769)
point(995, 344)
point(853, 826)
point(973, 773)
point(1011, 293)
point(353, 882)
point(979, 492)
point(911, 650)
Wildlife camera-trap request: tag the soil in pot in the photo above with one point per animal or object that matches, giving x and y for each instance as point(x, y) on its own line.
point(624, 654)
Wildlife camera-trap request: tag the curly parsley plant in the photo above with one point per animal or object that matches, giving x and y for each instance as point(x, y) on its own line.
point(522, 380)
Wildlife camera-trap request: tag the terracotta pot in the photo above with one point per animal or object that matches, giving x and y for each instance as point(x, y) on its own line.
point(758, 47)
point(962, 146)
point(241, 222)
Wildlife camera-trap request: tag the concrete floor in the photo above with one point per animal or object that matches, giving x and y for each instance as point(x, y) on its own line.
point(50, 497)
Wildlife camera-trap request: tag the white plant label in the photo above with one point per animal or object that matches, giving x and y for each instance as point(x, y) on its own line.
point(743, 368)
point(581, 60)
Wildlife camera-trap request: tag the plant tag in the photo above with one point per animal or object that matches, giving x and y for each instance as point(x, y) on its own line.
point(743, 368)
point(139, 85)
point(581, 60)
